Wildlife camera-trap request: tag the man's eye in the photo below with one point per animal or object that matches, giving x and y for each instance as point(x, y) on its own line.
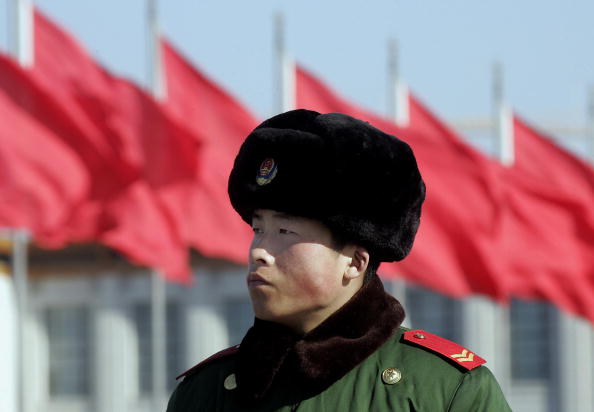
point(284, 231)
point(257, 230)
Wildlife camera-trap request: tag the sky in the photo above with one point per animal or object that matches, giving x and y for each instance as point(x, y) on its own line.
point(447, 48)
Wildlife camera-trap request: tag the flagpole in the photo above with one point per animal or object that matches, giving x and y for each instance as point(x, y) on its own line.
point(284, 68)
point(398, 109)
point(22, 49)
point(590, 128)
point(502, 119)
point(486, 322)
point(392, 79)
point(155, 75)
point(503, 129)
point(20, 241)
point(22, 32)
point(395, 107)
point(158, 302)
point(158, 338)
point(278, 63)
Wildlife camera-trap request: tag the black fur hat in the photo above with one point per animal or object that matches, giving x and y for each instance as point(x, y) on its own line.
point(362, 183)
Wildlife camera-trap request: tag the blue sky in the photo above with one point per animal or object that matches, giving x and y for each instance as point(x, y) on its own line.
point(447, 48)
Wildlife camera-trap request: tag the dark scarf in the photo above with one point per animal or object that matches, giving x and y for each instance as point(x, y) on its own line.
point(321, 357)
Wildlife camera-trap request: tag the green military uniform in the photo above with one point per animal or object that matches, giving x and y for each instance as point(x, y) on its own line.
point(359, 359)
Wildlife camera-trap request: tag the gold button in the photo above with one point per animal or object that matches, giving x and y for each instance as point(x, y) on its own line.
point(230, 382)
point(419, 336)
point(391, 376)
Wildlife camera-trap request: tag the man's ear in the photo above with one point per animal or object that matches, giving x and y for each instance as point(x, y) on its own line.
point(358, 264)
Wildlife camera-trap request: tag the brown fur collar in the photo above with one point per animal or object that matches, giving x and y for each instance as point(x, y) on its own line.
point(322, 356)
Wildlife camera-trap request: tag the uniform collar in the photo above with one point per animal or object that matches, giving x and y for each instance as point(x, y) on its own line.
point(325, 354)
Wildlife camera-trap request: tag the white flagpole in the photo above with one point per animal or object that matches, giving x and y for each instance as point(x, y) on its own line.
point(158, 339)
point(284, 67)
point(486, 323)
point(500, 332)
point(591, 122)
point(502, 119)
point(156, 78)
point(20, 242)
point(158, 302)
point(23, 52)
point(398, 104)
point(22, 33)
point(395, 109)
point(392, 79)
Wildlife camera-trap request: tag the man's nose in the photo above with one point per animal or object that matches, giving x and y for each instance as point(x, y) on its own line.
point(259, 255)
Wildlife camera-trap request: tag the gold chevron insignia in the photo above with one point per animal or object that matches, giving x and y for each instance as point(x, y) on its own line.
point(464, 356)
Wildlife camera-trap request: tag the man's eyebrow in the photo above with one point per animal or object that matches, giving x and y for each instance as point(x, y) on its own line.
point(278, 215)
point(285, 216)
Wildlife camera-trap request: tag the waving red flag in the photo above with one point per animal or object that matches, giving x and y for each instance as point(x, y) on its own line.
point(40, 104)
point(456, 251)
point(221, 123)
point(551, 196)
point(41, 178)
point(540, 158)
point(468, 197)
point(133, 152)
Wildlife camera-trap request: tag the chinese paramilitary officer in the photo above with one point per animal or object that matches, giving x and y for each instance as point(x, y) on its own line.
point(329, 197)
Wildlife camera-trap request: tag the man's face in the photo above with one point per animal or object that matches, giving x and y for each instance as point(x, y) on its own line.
point(295, 276)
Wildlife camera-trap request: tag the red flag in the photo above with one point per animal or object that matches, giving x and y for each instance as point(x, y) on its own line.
point(145, 233)
point(458, 240)
point(539, 158)
point(221, 123)
point(129, 145)
point(551, 194)
point(37, 194)
point(38, 102)
point(466, 200)
point(150, 213)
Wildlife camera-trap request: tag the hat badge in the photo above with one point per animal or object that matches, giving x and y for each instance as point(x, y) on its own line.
point(267, 172)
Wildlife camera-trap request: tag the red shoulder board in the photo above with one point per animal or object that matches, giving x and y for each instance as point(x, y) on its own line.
point(218, 355)
point(446, 348)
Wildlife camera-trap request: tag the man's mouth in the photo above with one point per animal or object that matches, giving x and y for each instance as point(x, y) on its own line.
point(254, 279)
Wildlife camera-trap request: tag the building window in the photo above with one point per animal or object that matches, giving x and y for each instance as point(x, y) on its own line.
point(434, 313)
point(240, 317)
point(532, 337)
point(69, 351)
point(174, 341)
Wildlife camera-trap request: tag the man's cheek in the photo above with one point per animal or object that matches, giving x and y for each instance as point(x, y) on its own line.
point(315, 287)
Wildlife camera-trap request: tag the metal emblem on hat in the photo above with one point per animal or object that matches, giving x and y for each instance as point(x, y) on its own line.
point(267, 172)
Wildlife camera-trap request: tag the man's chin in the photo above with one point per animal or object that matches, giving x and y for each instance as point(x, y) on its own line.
point(267, 313)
